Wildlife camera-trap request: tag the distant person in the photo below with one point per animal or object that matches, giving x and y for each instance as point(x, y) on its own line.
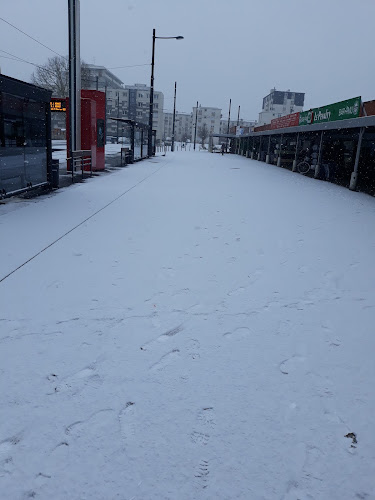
point(222, 148)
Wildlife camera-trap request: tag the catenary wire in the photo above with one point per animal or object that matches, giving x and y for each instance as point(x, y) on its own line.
point(32, 38)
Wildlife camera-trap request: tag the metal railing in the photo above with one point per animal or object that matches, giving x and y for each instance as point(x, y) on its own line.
point(80, 160)
point(6, 194)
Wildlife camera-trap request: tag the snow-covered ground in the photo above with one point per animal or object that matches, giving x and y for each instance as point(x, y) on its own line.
point(191, 327)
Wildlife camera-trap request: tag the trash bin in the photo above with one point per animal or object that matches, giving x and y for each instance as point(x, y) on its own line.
point(55, 174)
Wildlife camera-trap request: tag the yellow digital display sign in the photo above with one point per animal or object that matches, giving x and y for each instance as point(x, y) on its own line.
point(58, 105)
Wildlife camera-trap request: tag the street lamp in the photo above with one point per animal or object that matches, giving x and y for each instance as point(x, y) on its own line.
point(174, 115)
point(154, 37)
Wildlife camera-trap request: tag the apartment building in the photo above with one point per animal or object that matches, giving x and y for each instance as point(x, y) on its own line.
point(245, 124)
point(183, 125)
point(98, 77)
point(206, 116)
point(133, 102)
point(280, 103)
point(124, 101)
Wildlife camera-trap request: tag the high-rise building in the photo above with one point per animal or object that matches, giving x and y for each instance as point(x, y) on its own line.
point(280, 103)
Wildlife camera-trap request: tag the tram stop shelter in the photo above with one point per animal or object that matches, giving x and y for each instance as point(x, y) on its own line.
point(25, 137)
point(134, 135)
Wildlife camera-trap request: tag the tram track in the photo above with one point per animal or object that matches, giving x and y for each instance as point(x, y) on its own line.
point(6, 276)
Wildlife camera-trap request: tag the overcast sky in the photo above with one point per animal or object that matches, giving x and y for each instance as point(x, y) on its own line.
point(237, 49)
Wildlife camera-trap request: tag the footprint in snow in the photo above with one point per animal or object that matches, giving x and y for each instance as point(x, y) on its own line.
point(239, 333)
point(165, 360)
point(162, 338)
point(206, 416)
point(201, 474)
point(199, 437)
point(127, 419)
point(290, 365)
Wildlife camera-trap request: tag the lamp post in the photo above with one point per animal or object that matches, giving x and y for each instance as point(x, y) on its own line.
point(154, 37)
point(195, 128)
point(230, 104)
point(174, 115)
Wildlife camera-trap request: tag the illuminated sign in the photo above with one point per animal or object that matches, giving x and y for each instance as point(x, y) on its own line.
point(58, 105)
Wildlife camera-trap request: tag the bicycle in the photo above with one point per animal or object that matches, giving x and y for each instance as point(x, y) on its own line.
point(303, 167)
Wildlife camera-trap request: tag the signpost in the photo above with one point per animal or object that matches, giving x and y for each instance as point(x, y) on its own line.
point(333, 112)
point(285, 121)
point(58, 105)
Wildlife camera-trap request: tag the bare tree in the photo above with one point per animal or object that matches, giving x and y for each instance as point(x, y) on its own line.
point(203, 134)
point(54, 75)
point(185, 136)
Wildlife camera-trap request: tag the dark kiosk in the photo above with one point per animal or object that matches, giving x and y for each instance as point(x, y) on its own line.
point(25, 137)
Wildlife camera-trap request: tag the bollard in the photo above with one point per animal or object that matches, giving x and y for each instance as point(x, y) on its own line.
point(267, 158)
point(279, 161)
point(294, 167)
point(353, 181)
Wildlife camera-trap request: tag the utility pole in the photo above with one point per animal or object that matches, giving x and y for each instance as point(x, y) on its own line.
point(118, 112)
point(174, 115)
point(238, 116)
point(74, 79)
point(230, 104)
point(97, 83)
point(149, 147)
point(196, 120)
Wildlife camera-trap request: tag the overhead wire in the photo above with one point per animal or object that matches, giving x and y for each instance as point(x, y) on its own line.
point(31, 37)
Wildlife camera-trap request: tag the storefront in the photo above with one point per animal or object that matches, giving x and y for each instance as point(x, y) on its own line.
point(25, 136)
point(340, 151)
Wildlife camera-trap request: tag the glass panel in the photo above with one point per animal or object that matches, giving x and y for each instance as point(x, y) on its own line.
point(35, 142)
point(137, 144)
point(23, 152)
point(12, 175)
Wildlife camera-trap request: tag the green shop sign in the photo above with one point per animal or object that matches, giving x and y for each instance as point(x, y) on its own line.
point(338, 111)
